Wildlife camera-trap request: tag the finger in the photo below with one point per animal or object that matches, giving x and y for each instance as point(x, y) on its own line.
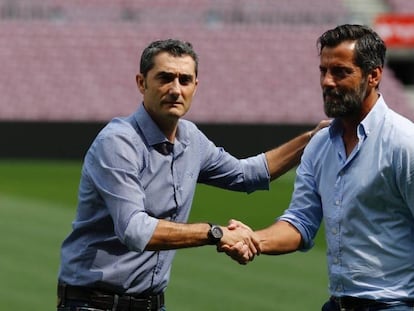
point(253, 244)
point(256, 243)
point(231, 221)
point(248, 255)
point(251, 249)
point(238, 224)
point(226, 247)
point(233, 224)
point(323, 123)
point(235, 249)
point(239, 252)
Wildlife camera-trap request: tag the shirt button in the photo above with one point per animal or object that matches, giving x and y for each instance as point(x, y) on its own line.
point(335, 260)
point(334, 231)
point(337, 202)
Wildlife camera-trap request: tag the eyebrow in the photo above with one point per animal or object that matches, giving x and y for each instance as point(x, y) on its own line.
point(166, 74)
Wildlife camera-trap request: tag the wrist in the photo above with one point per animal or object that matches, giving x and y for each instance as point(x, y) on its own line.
point(214, 234)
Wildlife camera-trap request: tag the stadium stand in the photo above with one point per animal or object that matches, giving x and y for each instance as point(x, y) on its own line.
point(401, 6)
point(77, 60)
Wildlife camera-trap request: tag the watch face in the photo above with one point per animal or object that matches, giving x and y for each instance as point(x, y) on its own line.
point(216, 232)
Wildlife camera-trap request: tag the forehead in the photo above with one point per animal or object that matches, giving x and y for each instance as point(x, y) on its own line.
point(342, 54)
point(165, 62)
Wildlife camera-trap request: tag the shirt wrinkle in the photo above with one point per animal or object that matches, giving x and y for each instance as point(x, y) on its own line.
point(139, 187)
point(368, 215)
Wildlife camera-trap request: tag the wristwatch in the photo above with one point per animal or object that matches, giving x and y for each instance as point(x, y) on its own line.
point(214, 234)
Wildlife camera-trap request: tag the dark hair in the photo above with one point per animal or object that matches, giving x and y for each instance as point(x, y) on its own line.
point(172, 46)
point(370, 49)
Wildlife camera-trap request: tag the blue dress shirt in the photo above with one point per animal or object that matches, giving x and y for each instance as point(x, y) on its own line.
point(367, 203)
point(127, 185)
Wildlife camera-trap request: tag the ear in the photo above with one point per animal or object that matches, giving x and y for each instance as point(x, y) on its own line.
point(195, 88)
point(141, 83)
point(374, 78)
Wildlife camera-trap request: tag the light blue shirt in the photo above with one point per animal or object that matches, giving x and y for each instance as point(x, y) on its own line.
point(126, 186)
point(367, 203)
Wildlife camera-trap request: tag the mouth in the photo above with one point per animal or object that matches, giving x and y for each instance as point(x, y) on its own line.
point(330, 95)
point(171, 103)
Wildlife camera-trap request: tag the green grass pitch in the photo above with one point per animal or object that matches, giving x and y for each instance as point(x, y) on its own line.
point(37, 205)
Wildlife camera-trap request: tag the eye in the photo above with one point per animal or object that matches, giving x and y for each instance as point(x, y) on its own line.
point(341, 72)
point(338, 72)
point(185, 79)
point(165, 77)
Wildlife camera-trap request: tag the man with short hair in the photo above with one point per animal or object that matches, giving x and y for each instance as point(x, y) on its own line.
point(357, 175)
point(137, 186)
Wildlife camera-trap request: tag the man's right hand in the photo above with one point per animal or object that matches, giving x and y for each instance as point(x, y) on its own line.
point(239, 242)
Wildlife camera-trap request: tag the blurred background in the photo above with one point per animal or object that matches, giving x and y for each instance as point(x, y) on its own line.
point(68, 67)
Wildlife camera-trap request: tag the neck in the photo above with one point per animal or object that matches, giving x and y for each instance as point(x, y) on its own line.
point(368, 104)
point(167, 125)
point(169, 128)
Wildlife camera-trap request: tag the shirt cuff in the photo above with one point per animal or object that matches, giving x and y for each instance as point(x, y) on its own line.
point(257, 173)
point(139, 231)
point(307, 242)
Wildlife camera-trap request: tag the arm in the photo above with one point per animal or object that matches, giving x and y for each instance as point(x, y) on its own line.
point(283, 158)
point(171, 235)
point(298, 225)
point(279, 238)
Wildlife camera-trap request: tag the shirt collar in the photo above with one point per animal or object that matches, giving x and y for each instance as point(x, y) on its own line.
point(152, 133)
point(374, 117)
point(148, 127)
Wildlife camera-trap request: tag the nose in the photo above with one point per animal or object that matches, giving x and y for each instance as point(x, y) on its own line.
point(327, 80)
point(175, 87)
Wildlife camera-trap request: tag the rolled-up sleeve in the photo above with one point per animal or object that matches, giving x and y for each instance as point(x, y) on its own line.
point(113, 165)
point(221, 169)
point(305, 209)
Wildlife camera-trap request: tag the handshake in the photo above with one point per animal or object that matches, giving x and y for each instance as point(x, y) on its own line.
point(239, 242)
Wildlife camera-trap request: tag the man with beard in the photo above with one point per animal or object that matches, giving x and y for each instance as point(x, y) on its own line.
point(359, 176)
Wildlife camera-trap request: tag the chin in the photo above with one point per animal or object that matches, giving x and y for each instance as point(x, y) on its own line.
point(174, 115)
point(177, 111)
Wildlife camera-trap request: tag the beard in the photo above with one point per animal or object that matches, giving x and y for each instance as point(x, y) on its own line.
point(344, 102)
